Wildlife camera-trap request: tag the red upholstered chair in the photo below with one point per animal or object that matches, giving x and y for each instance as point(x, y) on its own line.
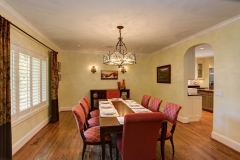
point(170, 111)
point(155, 104)
point(90, 136)
point(91, 122)
point(139, 138)
point(145, 100)
point(94, 113)
point(112, 94)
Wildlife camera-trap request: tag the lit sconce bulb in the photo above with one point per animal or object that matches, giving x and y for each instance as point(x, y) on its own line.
point(123, 69)
point(93, 70)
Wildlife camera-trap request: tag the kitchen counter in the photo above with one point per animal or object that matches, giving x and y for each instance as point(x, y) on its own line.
point(206, 90)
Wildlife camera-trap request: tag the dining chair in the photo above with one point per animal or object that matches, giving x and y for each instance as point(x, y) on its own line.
point(90, 122)
point(139, 137)
point(170, 112)
point(90, 136)
point(112, 94)
point(155, 104)
point(145, 100)
point(93, 113)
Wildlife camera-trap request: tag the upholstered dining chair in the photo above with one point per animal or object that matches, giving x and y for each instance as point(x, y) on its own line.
point(93, 113)
point(112, 94)
point(145, 100)
point(90, 122)
point(90, 136)
point(170, 112)
point(155, 104)
point(139, 137)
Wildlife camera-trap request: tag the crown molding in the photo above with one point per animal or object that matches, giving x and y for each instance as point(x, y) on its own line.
point(96, 52)
point(204, 32)
point(23, 21)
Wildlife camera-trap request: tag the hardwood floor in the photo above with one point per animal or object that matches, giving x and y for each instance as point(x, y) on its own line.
point(62, 141)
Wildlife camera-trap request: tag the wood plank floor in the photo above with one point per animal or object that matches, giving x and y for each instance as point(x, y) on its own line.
point(62, 141)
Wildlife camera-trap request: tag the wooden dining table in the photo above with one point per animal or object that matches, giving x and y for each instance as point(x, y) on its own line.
point(111, 124)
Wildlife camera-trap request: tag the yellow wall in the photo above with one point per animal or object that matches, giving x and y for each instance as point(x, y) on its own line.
point(77, 80)
point(225, 43)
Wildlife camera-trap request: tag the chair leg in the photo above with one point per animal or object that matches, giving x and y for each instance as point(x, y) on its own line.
point(110, 148)
point(83, 151)
point(162, 143)
point(171, 139)
point(117, 153)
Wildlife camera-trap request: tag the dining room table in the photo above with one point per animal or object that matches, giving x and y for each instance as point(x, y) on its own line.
point(110, 123)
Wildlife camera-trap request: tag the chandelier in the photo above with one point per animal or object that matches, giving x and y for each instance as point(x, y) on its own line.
point(120, 57)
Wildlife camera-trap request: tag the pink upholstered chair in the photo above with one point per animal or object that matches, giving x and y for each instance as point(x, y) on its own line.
point(112, 94)
point(93, 113)
point(90, 136)
point(91, 122)
point(170, 111)
point(145, 100)
point(139, 138)
point(155, 104)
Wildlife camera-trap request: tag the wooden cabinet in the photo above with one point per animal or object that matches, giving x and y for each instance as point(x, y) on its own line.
point(194, 108)
point(96, 94)
point(207, 100)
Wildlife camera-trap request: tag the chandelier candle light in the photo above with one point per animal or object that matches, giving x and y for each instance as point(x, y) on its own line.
point(120, 57)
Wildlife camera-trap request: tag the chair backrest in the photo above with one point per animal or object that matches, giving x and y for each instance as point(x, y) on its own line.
point(79, 117)
point(140, 134)
point(155, 104)
point(171, 111)
point(87, 101)
point(145, 100)
point(85, 107)
point(112, 94)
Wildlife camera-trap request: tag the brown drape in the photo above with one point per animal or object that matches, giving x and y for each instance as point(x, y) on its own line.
point(54, 87)
point(5, 95)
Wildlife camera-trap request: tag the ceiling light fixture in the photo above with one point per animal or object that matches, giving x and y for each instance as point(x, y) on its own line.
point(120, 57)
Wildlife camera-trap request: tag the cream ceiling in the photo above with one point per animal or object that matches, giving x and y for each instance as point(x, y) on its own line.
point(89, 26)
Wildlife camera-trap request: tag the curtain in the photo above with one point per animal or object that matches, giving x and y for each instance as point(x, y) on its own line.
point(54, 87)
point(5, 95)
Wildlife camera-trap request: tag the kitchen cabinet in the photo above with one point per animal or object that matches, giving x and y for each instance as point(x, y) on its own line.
point(194, 108)
point(207, 100)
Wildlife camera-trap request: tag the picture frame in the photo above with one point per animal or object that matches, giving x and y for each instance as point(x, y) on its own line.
point(164, 74)
point(109, 75)
point(59, 66)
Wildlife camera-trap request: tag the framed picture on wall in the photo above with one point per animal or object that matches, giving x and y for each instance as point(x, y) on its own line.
point(164, 74)
point(109, 75)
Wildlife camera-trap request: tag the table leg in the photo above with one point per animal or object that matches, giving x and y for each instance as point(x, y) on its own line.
point(102, 136)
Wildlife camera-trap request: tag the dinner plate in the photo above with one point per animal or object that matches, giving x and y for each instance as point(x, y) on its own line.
point(129, 101)
point(114, 99)
point(109, 112)
point(106, 106)
point(105, 102)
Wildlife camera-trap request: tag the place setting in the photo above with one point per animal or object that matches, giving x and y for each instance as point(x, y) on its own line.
point(112, 112)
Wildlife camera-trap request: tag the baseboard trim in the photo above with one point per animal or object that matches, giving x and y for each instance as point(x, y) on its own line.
point(227, 141)
point(183, 119)
point(19, 144)
point(65, 109)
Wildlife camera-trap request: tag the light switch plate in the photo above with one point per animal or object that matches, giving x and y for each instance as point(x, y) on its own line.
point(219, 93)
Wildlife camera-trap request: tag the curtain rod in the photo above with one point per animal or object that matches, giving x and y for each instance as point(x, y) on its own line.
point(31, 36)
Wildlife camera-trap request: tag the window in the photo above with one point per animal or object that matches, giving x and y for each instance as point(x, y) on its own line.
point(28, 82)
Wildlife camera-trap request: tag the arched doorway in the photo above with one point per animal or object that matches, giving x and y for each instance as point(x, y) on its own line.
point(198, 67)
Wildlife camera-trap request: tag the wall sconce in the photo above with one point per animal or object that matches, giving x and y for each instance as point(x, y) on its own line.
point(93, 70)
point(123, 69)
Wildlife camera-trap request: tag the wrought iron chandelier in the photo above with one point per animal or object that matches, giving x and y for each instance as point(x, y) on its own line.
point(120, 57)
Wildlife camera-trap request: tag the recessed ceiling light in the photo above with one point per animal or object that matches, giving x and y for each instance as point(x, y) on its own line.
point(200, 55)
point(202, 48)
point(78, 45)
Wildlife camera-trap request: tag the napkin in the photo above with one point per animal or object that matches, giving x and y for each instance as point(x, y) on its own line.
point(120, 120)
point(109, 111)
point(105, 105)
point(141, 110)
point(104, 102)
